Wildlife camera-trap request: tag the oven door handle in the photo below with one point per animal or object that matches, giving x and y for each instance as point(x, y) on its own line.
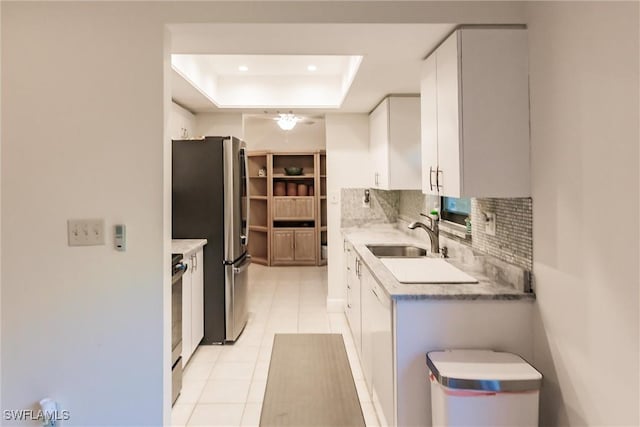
point(243, 265)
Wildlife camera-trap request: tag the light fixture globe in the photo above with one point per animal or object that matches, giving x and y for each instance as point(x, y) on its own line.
point(287, 121)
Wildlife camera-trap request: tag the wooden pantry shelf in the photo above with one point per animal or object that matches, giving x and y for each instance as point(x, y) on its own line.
point(260, 228)
point(258, 197)
point(259, 260)
point(283, 176)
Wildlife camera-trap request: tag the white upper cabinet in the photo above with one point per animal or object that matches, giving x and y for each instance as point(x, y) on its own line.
point(394, 143)
point(475, 115)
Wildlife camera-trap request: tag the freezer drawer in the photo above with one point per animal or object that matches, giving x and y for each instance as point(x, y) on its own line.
point(237, 281)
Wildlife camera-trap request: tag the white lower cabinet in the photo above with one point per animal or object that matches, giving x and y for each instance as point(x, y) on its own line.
point(369, 313)
point(367, 309)
point(352, 309)
point(396, 333)
point(192, 304)
point(197, 301)
point(382, 359)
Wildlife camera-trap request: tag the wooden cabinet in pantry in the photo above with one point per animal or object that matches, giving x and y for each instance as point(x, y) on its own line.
point(293, 246)
point(475, 115)
point(293, 208)
point(288, 224)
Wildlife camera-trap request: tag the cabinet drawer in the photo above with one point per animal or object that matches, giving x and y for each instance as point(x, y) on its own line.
point(293, 208)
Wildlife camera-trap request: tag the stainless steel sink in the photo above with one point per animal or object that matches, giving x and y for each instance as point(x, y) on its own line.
point(397, 251)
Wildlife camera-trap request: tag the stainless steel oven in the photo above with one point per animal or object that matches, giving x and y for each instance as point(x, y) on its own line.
point(177, 270)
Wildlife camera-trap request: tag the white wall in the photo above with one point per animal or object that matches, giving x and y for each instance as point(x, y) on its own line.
point(82, 135)
point(265, 134)
point(181, 120)
point(219, 124)
point(348, 166)
point(584, 127)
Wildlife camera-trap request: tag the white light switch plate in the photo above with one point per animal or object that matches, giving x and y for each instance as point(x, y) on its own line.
point(334, 197)
point(85, 232)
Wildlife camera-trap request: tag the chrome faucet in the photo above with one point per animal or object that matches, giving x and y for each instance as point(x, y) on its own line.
point(432, 231)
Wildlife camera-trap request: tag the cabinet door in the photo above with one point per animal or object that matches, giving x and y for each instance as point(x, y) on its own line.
point(368, 302)
point(353, 298)
point(448, 105)
point(304, 208)
point(186, 312)
point(356, 305)
point(378, 144)
point(282, 245)
point(305, 245)
point(429, 125)
point(197, 300)
point(284, 208)
point(382, 359)
point(403, 152)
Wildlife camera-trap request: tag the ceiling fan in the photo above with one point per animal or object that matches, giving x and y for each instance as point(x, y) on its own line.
point(288, 121)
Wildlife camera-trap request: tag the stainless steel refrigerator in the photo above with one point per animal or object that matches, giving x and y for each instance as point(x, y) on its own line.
point(210, 201)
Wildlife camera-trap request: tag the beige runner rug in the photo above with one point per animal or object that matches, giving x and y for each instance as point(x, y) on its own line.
point(310, 383)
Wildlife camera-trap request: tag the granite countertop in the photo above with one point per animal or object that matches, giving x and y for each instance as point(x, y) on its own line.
point(485, 289)
point(186, 246)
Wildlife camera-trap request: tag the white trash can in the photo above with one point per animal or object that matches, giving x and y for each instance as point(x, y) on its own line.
point(482, 388)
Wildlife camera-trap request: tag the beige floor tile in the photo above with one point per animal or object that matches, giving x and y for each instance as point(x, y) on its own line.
point(216, 414)
point(232, 353)
point(261, 371)
point(251, 415)
point(206, 353)
point(180, 413)
point(256, 391)
point(197, 370)
point(191, 390)
point(225, 391)
point(232, 371)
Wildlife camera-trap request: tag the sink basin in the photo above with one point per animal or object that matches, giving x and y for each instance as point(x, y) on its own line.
point(397, 251)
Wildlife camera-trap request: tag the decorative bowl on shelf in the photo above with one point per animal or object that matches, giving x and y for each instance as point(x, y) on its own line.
point(293, 171)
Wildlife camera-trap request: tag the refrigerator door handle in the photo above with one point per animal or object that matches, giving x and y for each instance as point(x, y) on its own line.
point(245, 238)
point(228, 200)
point(243, 265)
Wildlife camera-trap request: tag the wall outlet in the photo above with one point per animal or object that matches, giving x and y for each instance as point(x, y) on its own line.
point(490, 223)
point(85, 232)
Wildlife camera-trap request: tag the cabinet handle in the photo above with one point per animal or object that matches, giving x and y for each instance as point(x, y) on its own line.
point(438, 172)
point(348, 286)
point(348, 305)
point(376, 179)
point(431, 178)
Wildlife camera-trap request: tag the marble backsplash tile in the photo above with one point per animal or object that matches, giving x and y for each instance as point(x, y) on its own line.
point(513, 242)
point(383, 208)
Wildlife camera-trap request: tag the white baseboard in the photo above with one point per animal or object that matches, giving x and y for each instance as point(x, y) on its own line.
point(335, 305)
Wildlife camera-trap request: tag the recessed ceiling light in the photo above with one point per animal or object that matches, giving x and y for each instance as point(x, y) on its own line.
point(312, 67)
point(243, 68)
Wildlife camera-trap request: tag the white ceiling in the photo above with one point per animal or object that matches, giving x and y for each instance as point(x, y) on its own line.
point(392, 55)
point(267, 81)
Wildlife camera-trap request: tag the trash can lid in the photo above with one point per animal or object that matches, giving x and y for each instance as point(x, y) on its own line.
point(483, 370)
